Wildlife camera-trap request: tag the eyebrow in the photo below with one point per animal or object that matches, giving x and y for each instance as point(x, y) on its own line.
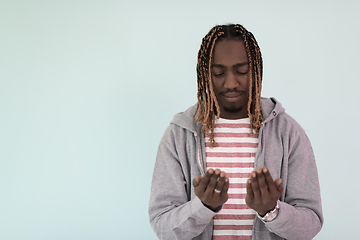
point(236, 65)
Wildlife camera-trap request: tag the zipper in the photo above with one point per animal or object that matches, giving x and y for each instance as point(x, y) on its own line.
point(259, 146)
point(197, 138)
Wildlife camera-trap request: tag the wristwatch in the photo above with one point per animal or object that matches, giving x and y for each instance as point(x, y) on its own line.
point(272, 214)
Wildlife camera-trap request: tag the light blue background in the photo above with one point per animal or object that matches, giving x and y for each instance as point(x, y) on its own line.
point(87, 89)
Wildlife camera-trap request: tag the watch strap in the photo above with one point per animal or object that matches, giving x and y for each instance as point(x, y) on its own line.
point(271, 215)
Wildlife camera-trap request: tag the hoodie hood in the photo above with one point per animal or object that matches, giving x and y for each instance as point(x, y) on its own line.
point(270, 108)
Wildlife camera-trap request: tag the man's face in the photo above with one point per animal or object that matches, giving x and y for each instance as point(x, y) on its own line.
point(230, 77)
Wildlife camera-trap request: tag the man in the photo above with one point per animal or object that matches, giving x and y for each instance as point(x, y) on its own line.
point(217, 161)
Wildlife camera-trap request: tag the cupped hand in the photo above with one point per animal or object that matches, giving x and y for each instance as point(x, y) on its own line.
point(262, 192)
point(212, 188)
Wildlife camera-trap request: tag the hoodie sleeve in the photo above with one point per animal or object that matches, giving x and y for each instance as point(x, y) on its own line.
point(300, 214)
point(173, 215)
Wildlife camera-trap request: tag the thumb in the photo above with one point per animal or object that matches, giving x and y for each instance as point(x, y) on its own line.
point(278, 184)
point(196, 181)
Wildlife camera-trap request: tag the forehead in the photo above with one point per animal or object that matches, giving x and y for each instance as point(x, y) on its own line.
point(229, 52)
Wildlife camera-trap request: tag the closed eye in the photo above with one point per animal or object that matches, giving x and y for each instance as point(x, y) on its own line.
point(218, 74)
point(241, 73)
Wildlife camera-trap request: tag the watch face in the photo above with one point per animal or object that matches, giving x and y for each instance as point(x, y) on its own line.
point(272, 214)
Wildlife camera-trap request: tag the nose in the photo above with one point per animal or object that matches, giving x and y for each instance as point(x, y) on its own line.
point(230, 81)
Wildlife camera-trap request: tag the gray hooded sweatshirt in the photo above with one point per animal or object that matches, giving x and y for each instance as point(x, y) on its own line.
point(177, 213)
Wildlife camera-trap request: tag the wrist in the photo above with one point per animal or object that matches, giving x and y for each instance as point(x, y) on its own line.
point(212, 208)
point(271, 215)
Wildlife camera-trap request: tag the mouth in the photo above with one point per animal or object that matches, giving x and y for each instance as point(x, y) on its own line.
point(232, 96)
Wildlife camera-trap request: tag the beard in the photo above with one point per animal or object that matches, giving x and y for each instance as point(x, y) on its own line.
point(232, 109)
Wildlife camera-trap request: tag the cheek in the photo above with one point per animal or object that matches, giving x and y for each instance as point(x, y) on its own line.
point(216, 86)
point(246, 80)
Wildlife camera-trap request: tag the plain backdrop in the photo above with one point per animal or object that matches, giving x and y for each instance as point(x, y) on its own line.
point(87, 89)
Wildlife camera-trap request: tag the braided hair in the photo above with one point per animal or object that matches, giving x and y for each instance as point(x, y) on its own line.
point(207, 105)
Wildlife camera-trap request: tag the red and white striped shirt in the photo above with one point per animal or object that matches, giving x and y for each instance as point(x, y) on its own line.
point(235, 156)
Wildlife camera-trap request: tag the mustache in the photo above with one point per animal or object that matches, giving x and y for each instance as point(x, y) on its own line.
point(232, 92)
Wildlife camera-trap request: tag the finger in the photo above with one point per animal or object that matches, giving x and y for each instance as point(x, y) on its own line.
point(254, 185)
point(225, 187)
point(220, 183)
point(278, 184)
point(213, 181)
point(267, 175)
point(249, 190)
point(205, 180)
point(196, 181)
point(264, 191)
point(269, 181)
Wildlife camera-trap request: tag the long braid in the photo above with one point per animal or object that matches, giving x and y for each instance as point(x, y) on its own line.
point(208, 106)
point(256, 116)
